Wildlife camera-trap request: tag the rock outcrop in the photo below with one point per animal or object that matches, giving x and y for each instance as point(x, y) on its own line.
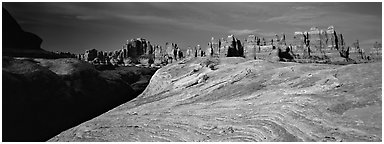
point(15, 37)
point(231, 47)
point(19, 43)
point(135, 51)
point(360, 54)
point(319, 43)
point(43, 97)
point(277, 51)
point(233, 99)
point(197, 52)
point(213, 49)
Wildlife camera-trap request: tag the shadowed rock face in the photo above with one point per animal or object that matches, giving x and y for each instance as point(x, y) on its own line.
point(231, 99)
point(19, 43)
point(15, 37)
point(42, 97)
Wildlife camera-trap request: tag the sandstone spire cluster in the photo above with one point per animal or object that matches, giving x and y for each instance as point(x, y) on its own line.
point(315, 45)
point(230, 47)
point(134, 51)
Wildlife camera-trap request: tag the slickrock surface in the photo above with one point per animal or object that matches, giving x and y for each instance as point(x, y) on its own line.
point(230, 99)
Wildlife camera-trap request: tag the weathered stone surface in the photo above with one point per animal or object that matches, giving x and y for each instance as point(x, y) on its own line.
point(240, 100)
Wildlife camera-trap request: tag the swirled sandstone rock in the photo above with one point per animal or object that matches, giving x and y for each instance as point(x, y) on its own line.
point(243, 100)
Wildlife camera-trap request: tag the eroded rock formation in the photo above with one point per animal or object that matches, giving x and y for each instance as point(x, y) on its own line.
point(231, 47)
point(319, 43)
point(314, 46)
point(135, 51)
point(277, 51)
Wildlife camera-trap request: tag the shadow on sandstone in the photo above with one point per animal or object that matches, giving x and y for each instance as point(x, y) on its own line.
point(43, 96)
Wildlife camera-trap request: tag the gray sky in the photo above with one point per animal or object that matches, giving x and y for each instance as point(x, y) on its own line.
point(76, 27)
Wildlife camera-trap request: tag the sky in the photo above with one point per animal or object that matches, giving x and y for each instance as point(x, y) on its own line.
point(76, 27)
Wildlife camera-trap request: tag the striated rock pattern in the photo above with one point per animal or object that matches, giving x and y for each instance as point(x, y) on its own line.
point(232, 99)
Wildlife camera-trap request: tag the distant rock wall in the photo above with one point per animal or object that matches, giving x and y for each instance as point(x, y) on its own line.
point(135, 51)
point(315, 45)
point(254, 48)
point(231, 47)
point(318, 42)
